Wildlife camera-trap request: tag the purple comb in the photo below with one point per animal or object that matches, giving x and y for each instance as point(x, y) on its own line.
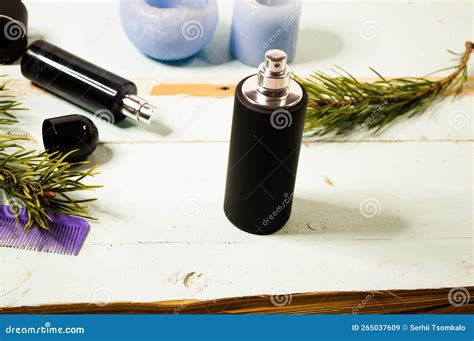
point(66, 235)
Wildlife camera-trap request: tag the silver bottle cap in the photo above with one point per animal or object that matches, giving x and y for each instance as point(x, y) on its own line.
point(272, 86)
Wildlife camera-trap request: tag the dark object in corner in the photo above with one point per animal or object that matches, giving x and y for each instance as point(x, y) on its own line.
point(13, 30)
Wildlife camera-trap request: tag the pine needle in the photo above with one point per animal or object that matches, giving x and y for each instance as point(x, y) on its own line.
point(342, 105)
point(38, 183)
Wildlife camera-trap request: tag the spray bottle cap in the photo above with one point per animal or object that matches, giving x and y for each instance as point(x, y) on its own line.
point(273, 87)
point(274, 74)
point(72, 132)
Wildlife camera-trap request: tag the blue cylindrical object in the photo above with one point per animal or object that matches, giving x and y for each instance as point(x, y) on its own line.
point(262, 25)
point(169, 29)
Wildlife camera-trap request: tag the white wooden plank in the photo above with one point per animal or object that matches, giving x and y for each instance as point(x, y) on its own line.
point(156, 272)
point(161, 219)
point(184, 118)
point(165, 189)
point(355, 41)
point(162, 233)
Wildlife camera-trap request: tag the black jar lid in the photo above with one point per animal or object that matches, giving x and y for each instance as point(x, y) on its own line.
point(13, 30)
point(72, 132)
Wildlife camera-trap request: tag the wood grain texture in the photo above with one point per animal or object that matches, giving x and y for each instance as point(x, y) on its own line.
point(228, 90)
point(162, 234)
point(435, 301)
point(197, 90)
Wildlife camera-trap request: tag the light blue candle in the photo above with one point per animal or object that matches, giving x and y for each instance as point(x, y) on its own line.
point(262, 25)
point(169, 29)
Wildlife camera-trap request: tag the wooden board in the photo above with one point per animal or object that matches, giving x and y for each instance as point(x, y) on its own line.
point(424, 301)
point(162, 234)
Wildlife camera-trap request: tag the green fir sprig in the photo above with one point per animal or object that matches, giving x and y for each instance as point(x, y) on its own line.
point(38, 183)
point(342, 105)
point(7, 105)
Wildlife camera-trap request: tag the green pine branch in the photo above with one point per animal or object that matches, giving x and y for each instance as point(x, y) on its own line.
point(342, 105)
point(7, 106)
point(38, 183)
point(339, 105)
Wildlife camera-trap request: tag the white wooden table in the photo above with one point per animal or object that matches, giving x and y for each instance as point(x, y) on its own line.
point(162, 233)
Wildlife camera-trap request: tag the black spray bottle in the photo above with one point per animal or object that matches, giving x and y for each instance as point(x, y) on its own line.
point(84, 84)
point(267, 129)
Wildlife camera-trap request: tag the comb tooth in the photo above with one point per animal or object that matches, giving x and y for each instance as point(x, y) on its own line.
point(20, 242)
point(4, 233)
point(82, 232)
point(62, 237)
point(63, 240)
point(75, 240)
point(5, 236)
point(72, 240)
point(27, 239)
point(58, 234)
point(19, 238)
point(69, 240)
point(57, 245)
point(34, 240)
point(50, 243)
point(15, 239)
point(61, 231)
point(41, 242)
point(31, 239)
point(67, 234)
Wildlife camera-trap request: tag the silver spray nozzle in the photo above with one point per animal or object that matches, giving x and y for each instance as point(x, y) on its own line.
point(272, 86)
point(274, 74)
point(137, 108)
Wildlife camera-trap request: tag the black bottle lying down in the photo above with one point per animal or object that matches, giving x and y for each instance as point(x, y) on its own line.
point(84, 84)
